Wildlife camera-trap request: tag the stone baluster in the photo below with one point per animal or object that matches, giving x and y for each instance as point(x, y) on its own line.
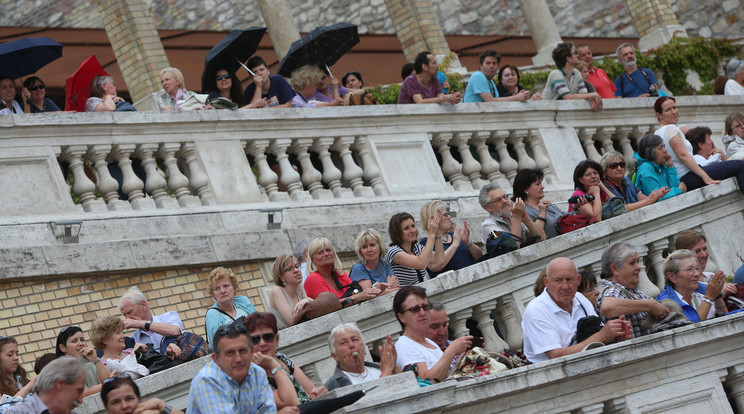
point(310, 176)
point(352, 173)
point(604, 137)
point(735, 383)
point(154, 184)
point(516, 140)
point(621, 136)
point(636, 134)
point(596, 268)
point(83, 186)
point(511, 319)
point(596, 408)
point(489, 166)
point(644, 284)
point(507, 164)
point(585, 136)
point(371, 170)
point(131, 185)
point(542, 160)
point(331, 174)
point(450, 167)
point(655, 254)
point(267, 178)
point(177, 182)
point(107, 185)
point(458, 320)
point(198, 179)
point(470, 167)
point(482, 315)
point(289, 177)
point(615, 406)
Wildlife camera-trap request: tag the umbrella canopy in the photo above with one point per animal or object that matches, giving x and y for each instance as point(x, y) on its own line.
point(323, 47)
point(77, 90)
point(27, 55)
point(330, 404)
point(231, 51)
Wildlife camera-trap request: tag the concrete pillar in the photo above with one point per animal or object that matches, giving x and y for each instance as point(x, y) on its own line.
point(418, 28)
point(277, 15)
point(542, 28)
point(139, 52)
point(655, 22)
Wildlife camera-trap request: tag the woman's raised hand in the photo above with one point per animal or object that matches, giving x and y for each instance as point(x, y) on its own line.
point(433, 227)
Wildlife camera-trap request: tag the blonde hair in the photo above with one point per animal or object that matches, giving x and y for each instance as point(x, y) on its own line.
point(280, 264)
point(102, 328)
point(582, 65)
point(218, 274)
point(320, 243)
point(305, 76)
point(429, 210)
point(176, 74)
point(365, 237)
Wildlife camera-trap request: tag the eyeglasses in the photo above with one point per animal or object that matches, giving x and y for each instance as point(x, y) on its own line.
point(417, 308)
point(222, 77)
point(36, 88)
point(295, 266)
point(614, 165)
point(267, 337)
point(229, 329)
point(691, 270)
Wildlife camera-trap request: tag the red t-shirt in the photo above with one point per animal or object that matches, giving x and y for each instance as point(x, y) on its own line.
point(315, 284)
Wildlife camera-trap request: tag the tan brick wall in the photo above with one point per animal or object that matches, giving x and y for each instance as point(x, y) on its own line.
point(418, 28)
point(650, 15)
point(34, 310)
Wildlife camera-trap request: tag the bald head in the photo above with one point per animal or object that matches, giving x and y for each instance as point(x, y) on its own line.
point(562, 281)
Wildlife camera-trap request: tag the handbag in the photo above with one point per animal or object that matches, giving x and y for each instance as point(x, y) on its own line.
point(363, 98)
point(153, 360)
point(123, 106)
point(498, 244)
point(222, 103)
point(572, 221)
point(476, 363)
point(613, 207)
point(192, 345)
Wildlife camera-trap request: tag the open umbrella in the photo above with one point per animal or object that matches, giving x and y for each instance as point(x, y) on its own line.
point(77, 90)
point(27, 55)
point(323, 47)
point(232, 51)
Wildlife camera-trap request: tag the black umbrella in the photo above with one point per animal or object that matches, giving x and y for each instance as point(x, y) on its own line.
point(232, 51)
point(27, 55)
point(328, 405)
point(323, 47)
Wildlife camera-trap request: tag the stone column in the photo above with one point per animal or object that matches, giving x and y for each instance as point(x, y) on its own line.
point(655, 22)
point(277, 15)
point(542, 28)
point(418, 28)
point(131, 29)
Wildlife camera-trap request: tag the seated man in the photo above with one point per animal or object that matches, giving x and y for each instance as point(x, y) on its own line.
point(635, 81)
point(505, 217)
point(274, 88)
point(566, 82)
point(59, 388)
point(348, 349)
point(230, 383)
point(439, 329)
point(549, 321)
point(150, 329)
point(423, 86)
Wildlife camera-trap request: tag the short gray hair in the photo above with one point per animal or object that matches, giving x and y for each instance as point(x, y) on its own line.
point(67, 369)
point(132, 295)
point(734, 67)
point(672, 262)
point(299, 249)
point(351, 326)
point(609, 156)
point(616, 255)
point(483, 195)
point(437, 306)
point(619, 48)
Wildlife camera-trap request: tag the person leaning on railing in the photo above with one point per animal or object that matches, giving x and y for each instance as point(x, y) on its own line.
point(103, 96)
point(654, 168)
point(289, 302)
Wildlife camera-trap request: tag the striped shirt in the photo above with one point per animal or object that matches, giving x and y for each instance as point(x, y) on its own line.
point(406, 275)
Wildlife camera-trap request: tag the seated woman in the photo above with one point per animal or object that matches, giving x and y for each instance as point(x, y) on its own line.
point(224, 84)
point(372, 268)
point(13, 378)
point(34, 93)
point(689, 172)
point(528, 186)
point(618, 291)
point(304, 81)
point(288, 297)
point(121, 395)
point(704, 151)
point(71, 342)
point(352, 80)
point(735, 72)
point(405, 255)
point(175, 96)
point(8, 103)
point(733, 139)
point(587, 179)
point(587, 286)
point(654, 168)
point(327, 275)
point(329, 93)
point(413, 311)
point(696, 242)
point(222, 285)
point(615, 180)
point(106, 334)
point(509, 83)
point(291, 387)
point(103, 96)
point(682, 274)
point(453, 249)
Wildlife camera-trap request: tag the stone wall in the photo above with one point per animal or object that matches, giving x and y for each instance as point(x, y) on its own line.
point(579, 18)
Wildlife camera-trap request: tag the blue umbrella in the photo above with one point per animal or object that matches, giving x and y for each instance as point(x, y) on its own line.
point(322, 47)
point(27, 55)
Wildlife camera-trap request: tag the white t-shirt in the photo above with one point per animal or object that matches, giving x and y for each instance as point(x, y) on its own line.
point(369, 374)
point(733, 88)
point(411, 352)
point(667, 132)
point(546, 326)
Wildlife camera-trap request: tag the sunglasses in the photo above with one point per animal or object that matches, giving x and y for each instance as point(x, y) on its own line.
point(417, 308)
point(614, 165)
point(267, 337)
point(230, 329)
point(222, 77)
point(36, 88)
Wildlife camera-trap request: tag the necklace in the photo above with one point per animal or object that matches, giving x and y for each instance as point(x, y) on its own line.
point(362, 374)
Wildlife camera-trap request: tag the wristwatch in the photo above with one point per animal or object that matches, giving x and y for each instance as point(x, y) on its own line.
point(275, 370)
point(147, 326)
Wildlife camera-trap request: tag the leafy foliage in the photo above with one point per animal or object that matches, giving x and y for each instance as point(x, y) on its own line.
point(387, 96)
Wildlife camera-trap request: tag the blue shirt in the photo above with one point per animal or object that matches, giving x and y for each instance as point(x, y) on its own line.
point(213, 391)
point(689, 311)
point(627, 191)
point(215, 318)
point(461, 258)
point(479, 84)
point(651, 176)
point(379, 274)
point(278, 87)
point(628, 88)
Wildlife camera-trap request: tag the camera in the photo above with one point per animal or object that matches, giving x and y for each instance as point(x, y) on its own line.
point(653, 90)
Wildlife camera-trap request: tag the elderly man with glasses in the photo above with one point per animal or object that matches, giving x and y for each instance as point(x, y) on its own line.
point(505, 216)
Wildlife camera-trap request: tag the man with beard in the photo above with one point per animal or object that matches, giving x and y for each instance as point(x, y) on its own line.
point(635, 81)
point(505, 216)
point(481, 87)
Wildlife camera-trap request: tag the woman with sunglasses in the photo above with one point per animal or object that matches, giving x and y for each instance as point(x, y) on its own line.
point(34, 94)
point(453, 249)
point(225, 84)
point(291, 387)
point(288, 297)
point(71, 342)
point(329, 93)
point(121, 395)
point(222, 285)
point(412, 309)
point(615, 180)
point(13, 378)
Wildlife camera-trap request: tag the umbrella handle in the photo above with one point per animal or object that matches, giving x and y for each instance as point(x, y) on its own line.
point(328, 70)
point(246, 67)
